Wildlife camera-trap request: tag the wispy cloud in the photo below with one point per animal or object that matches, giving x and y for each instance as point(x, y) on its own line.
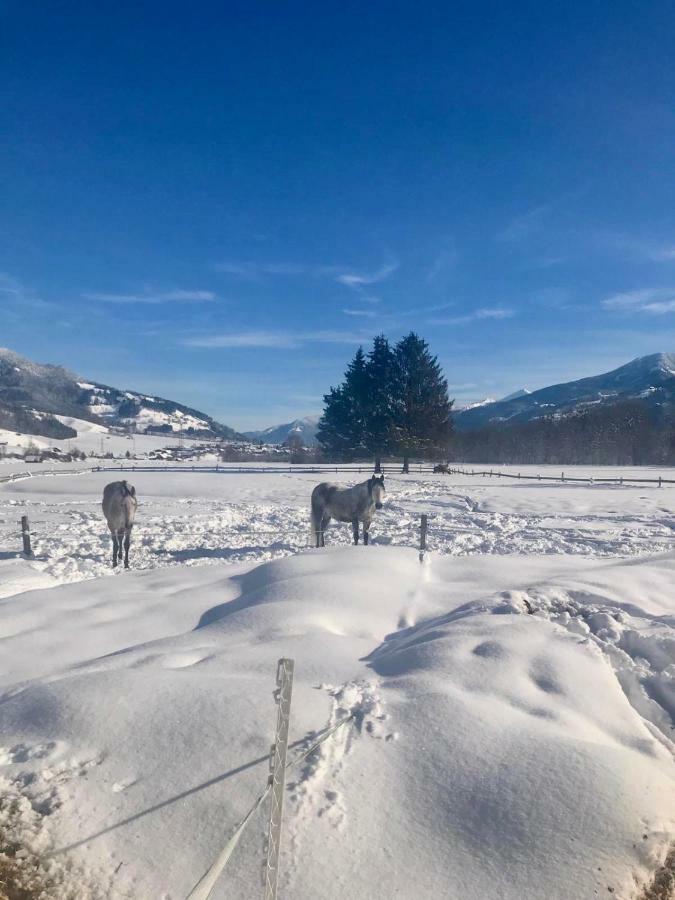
point(553, 298)
point(14, 292)
point(398, 316)
point(653, 301)
point(275, 339)
point(154, 297)
point(358, 280)
point(353, 279)
point(444, 261)
point(364, 313)
point(663, 254)
point(525, 224)
point(475, 316)
point(639, 248)
point(256, 271)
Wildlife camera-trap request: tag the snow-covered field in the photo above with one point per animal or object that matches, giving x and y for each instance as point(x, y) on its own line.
point(513, 696)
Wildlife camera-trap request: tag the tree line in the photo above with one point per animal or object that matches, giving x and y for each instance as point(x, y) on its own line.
point(617, 434)
point(393, 401)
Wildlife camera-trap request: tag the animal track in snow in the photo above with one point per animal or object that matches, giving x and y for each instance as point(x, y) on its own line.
point(316, 792)
point(22, 753)
point(120, 786)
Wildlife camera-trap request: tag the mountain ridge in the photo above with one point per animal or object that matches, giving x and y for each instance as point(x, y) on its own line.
point(650, 379)
point(305, 428)
point(33, 394)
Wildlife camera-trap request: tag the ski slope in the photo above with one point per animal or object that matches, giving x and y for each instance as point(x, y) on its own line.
point(513, 697)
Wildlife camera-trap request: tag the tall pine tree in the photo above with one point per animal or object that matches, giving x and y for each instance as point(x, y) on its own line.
point(422, 410)
point(379, 420)
point(393, 401)
point(341, 429)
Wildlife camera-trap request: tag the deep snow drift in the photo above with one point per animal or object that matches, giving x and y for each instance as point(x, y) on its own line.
point(494, 752)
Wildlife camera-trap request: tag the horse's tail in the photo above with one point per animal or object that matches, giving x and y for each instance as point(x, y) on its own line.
point(315, 517)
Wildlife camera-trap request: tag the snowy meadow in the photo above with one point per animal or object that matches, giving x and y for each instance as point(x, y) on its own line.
point(512, 697)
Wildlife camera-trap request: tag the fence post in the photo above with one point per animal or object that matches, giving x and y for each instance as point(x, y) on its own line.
point(278, 775)
point(423, 535)
point(563, 476)
point(25, 533)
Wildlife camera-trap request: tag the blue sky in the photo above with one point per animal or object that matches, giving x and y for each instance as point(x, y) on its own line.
point(217, 201)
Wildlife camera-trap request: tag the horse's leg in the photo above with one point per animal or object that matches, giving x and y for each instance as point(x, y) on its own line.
point(127, 541)
point(355, 529)
point(114, 540)
point(324, 525)
point(366, 529)
point(120, 543)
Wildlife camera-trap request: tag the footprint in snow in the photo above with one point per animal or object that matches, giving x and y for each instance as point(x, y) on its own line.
point(185, 660)
point(120, 786)
point(22, 753)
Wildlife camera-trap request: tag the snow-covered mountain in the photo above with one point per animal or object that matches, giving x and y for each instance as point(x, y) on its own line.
point(33, 395)
point(516, 395)
point(305, 429)
point(523, 392)
point(650, 379)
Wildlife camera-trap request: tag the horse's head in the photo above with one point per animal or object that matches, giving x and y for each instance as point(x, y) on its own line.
point(376, 488)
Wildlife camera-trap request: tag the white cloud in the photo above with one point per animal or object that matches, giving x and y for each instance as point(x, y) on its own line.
point(154, 297)
point(444, 261)
point(276, 339)
point(15, 293)
point(653, 301)
point(364, 313)
point(524, 225)
point(475, 316)
point(358, 280)
point(254, 271)
point(644, 249)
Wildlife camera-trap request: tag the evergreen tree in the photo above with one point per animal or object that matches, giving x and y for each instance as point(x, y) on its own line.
point(392, 401)
point(380, 386)
point(341, 429)
point(421, 408)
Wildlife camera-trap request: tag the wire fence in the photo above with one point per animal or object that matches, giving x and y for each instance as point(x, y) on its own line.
point(348, 468)
point(23, 539)
point(590, 479)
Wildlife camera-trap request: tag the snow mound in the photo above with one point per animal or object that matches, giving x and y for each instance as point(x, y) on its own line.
point(496, 750)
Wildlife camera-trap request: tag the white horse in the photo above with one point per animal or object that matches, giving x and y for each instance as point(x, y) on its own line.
point(355, 504)
point(119, 508)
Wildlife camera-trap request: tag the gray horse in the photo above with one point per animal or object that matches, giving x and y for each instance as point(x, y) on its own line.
point(355, 504)
point(119, 508)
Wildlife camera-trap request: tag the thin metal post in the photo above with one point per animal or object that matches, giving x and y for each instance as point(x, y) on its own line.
point(423, 535)
point(25, 534)
point(278, 775)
